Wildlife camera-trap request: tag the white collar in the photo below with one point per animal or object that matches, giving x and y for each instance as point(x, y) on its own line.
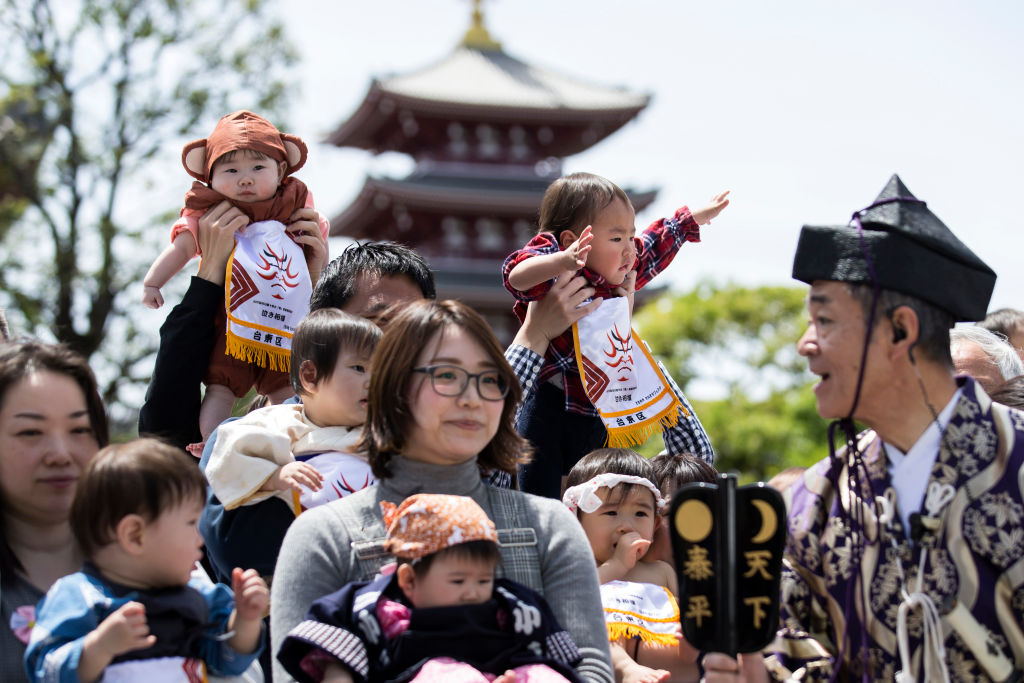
point(909, 472)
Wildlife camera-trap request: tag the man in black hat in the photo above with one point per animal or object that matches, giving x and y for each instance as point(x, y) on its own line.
point(906, 549)
point(925, 537)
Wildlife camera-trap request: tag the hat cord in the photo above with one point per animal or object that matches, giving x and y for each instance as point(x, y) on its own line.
point(859, 479)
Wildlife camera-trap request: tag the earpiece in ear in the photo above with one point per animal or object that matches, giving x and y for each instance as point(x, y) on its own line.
point(898, 334)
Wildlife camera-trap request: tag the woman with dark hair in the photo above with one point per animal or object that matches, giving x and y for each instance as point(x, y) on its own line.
point(52, 423)
point(441, 403)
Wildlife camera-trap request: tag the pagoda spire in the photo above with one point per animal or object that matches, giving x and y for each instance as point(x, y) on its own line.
point(477, 36)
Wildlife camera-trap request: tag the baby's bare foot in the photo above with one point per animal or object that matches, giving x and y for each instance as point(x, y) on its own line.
point(637, 673)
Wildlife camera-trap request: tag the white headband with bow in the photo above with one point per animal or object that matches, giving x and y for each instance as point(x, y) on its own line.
point(584, 496)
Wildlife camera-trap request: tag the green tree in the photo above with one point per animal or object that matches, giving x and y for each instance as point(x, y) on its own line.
point(90, 92)
point(741, 342)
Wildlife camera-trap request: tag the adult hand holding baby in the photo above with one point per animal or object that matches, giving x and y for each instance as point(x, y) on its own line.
point(217, 230)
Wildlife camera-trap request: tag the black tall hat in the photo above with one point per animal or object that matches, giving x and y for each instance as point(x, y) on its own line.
point(909, 249)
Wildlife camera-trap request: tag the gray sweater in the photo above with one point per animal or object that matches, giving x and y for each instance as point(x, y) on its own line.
point(318, 556)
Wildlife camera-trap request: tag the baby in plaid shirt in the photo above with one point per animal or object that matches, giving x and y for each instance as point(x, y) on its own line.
point(586, 224)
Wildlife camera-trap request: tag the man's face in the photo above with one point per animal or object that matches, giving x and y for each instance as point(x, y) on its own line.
point(833, 344)
point(374, 293)
point(969, 359)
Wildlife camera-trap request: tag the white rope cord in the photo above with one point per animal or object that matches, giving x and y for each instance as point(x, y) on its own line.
point(932, 640)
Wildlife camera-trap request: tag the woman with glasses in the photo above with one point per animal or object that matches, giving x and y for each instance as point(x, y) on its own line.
point(441, 403)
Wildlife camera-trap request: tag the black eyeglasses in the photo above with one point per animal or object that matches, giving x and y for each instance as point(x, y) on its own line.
point(451, 380)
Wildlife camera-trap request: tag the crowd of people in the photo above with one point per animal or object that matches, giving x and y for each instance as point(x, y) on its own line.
point(421, 504)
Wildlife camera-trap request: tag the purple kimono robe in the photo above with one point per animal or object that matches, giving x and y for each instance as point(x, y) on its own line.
point(974, 564)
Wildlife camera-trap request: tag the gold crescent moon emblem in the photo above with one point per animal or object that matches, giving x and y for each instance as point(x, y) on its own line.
point(769, 521)
point(693, 521)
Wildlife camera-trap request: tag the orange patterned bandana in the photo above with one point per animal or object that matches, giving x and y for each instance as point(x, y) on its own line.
point(426, 523)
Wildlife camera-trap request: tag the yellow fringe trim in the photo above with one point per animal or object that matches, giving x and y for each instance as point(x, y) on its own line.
point(256, 353)
point(637, 435)
point(617, 631)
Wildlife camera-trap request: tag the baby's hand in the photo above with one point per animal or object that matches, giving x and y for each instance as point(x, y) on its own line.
point(704, 214)
point(151, 296)
point(576, 253)
point(251, 593)
point(125, 630)
point(630, 548)
point(295, 475)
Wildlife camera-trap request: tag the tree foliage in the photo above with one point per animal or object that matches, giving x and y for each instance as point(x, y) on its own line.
point(740, 343)
point(90, 93)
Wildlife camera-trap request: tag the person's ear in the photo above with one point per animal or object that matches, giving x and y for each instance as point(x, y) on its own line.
point(130, 533)
point(282, 169)
point(566, 238)
point(406, 576)
point(905, 329)
point(307, 377)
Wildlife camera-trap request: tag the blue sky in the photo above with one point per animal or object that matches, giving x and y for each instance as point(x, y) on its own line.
point(803, 109)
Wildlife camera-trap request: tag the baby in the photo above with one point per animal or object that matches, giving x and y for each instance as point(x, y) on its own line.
point(134, 610)
point(304, 453)
point(586, 223)
point(612, 492)
point(246, 163)
point(441, 615)
point(672, 471)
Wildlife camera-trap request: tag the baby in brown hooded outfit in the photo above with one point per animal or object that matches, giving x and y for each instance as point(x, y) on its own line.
point(246, 163)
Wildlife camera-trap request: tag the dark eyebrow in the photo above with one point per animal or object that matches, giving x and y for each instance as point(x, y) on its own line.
point(819, 298)
point(37, 416)
point(439, 360)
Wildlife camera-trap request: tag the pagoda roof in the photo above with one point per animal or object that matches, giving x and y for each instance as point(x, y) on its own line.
point(450, 195)
point(484, 85)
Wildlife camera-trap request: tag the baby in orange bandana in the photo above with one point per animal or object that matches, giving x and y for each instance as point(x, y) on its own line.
point(441, 615)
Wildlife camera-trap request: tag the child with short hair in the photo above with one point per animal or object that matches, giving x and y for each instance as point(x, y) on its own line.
point(247, 162)
point(134, 609)
point(441, 615)
point(672, 471)
point(304, 453)
point(587, 224)
point(613, 494)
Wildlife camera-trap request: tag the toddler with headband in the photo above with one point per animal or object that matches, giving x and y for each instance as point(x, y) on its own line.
point(613, 493)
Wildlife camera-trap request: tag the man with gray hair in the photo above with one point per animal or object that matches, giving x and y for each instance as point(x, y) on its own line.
point(984, 356)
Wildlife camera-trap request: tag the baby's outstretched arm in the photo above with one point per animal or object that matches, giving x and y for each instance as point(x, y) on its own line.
point(533, 271)
point(252, 597)
point(122, 631)
point(167, 264)
point(704, 214)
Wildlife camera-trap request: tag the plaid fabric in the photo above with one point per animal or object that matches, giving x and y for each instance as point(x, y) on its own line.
point(687, 436)
point(656, 247)
point(562, 647)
